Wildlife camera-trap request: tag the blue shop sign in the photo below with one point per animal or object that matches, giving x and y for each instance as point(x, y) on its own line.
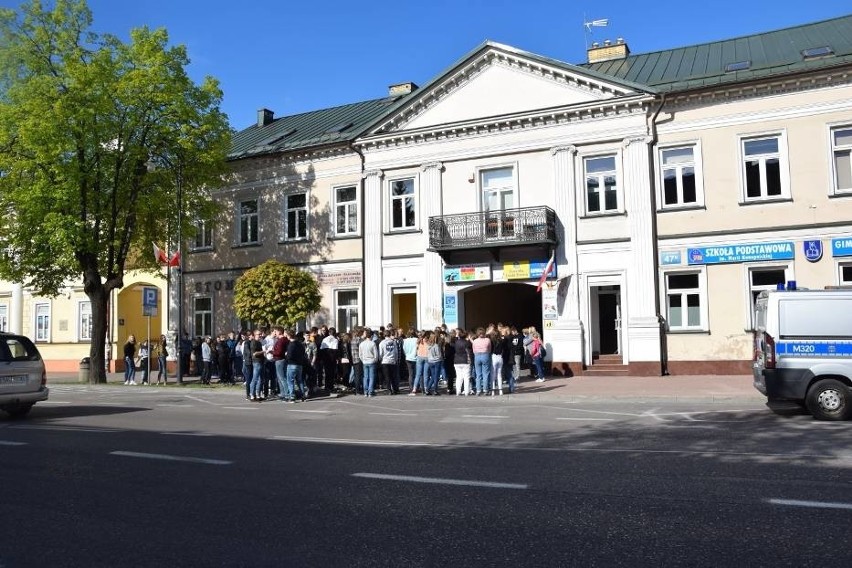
point(749, 252)
point(841, 247)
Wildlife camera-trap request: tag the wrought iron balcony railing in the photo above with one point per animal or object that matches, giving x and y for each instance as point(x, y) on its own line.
point(508, 227)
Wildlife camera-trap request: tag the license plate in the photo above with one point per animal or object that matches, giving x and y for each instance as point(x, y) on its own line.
point(15, 380)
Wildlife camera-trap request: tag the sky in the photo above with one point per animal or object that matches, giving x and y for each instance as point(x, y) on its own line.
point(295, 56)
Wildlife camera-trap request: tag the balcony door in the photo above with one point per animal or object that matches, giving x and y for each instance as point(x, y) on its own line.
point(498, 201)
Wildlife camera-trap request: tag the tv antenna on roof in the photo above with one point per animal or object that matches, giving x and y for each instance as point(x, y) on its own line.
point(589, 24)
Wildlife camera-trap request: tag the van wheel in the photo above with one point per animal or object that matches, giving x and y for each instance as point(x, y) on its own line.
point(829, 399)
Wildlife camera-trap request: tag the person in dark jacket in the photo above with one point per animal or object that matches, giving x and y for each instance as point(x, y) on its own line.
point(223, 355)
point(296, 361)
point(462, 361)
point(449, 362)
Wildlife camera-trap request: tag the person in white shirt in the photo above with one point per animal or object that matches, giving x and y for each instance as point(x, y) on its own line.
point(369, 356)
point(328, 353)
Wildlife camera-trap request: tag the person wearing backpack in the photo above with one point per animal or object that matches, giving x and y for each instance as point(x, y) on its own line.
point(538, 352)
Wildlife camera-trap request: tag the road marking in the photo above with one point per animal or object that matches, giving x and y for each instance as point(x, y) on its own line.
point(814, 504)
point(55, 402)
point(200, 400)
point(242, 407)
point(400, 413)
point(66, 428)
point(197, 434)
point(171, 405)
point(170, 458)
point(587, 419)
point(439, 481)
point(311, 411)
point(356, 442)
point(481, 416)
point(8, 443)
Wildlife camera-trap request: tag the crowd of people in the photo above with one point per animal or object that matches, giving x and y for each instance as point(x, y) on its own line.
point(291, 366)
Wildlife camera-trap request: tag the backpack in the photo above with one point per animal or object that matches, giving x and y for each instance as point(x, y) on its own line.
point(542, 351)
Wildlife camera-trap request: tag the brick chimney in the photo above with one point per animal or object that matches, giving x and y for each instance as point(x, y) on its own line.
point(401, 89)
point(608, 51)
point(264, 117)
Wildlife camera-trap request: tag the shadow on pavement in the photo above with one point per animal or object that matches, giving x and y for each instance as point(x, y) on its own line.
point(44, 412)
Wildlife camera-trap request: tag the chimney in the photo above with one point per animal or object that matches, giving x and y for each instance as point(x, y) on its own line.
point(401, 89)
point(608, 51)
point(264, 117)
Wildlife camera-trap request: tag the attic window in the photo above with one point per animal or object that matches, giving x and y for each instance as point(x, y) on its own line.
point(816, 52)
point(339, 128)
point(738, 66)
point(276, 138)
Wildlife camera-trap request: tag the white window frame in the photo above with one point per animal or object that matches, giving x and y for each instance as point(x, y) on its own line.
point(697, 166)
point(748, 269)
point(346, 205)
point(783, 167)
point(196, 312)
point(41, 332)
point(391, 200)
point(481, 170)
point(338, 306)
point(247, 217)
point(840, 266)
point(619, 185)
point(703, 298)
point(203, 236)
point(833, 150)
point(4, 317)
point(285, 216)
point(84, 321)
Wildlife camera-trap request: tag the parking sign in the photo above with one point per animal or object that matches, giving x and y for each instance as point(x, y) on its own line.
point(149, 297)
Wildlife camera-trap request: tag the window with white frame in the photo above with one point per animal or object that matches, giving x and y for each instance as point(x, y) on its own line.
point(763, 171)
point(403, 204)
point(347, 309)
point(296, 216)
point(498, 189)
point(686, 300)
point(844, 274)
point(841, 148)
point(42, 322)
point(248, 221)
point(84, 321)
point(202, 310)
point(602, 192)
point(762, 278)
point(346, 210)
point(680, 181)
point(4, 317)
point(203, 236)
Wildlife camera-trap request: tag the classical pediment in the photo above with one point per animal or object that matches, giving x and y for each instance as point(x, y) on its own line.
point(496, 81)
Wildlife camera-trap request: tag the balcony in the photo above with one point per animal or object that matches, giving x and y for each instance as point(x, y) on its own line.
point(495, 230)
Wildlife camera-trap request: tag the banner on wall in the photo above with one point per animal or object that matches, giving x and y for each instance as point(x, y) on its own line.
point(549, 310)
point(781, 250)
point(451, 310)
point(467, 273)
point(526, 269)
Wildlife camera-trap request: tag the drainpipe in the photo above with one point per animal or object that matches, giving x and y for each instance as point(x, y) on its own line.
point(664, 355)
point(361, 220)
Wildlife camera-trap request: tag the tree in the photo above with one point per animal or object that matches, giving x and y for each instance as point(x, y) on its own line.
point(95, 136)
point(276, 293)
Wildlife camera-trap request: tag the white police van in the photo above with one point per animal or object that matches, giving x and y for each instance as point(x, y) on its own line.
point(803, 349)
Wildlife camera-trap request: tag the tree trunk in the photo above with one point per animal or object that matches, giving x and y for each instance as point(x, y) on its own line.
point(99, 297)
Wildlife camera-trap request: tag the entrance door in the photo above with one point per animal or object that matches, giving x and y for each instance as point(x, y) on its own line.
point(608, 319)
point(404, 308)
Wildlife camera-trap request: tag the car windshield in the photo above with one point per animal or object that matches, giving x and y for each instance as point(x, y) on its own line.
point(16, 348)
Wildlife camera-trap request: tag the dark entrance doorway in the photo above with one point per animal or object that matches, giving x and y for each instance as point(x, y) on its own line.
point(608, 314)
point(510, 303)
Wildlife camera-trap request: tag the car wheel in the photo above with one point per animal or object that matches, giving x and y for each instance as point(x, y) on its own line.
point(18, 410)
point(830, 399)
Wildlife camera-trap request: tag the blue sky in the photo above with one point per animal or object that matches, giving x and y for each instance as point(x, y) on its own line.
point(294, 56)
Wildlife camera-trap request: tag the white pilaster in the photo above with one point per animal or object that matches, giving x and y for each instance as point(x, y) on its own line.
point(432, 288)
point(373, 280)
point(16, 310)
point(566, 333)
point(643, 330)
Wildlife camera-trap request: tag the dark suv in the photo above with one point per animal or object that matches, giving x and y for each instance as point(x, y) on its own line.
point(22, 375)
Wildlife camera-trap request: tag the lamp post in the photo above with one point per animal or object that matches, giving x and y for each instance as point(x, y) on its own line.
point(180, 272)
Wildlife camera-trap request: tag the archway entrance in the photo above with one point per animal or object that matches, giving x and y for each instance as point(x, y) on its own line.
point(511, 303)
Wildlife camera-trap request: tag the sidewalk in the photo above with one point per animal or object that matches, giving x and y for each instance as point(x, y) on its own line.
point(693, 388)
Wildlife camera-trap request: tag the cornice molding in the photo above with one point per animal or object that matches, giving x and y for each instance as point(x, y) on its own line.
point(570, 148)
point(373, 173)
point(635, 140)
point(432, 165)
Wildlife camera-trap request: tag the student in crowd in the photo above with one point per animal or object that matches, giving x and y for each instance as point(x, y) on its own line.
point(162, 355)
point(482, 361)
point(369, 356)
point(130, 360)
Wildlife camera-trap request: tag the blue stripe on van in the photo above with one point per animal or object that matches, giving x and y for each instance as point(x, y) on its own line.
point(814, 348)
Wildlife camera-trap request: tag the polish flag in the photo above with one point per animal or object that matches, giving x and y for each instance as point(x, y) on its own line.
point(547, 270)
point(160, 255)
point(175, 259)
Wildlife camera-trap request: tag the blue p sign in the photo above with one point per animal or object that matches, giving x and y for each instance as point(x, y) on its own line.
point(149, 297)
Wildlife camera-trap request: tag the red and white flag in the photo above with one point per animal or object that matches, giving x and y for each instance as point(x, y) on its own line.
point(547, 270)
point(175, 260)
point(160, 255)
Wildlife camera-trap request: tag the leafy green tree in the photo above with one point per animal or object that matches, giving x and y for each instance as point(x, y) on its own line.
point(276, 293)
point(96, 137)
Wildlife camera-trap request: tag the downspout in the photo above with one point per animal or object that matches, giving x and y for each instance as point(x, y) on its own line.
point(361, 220)
point(664, 355)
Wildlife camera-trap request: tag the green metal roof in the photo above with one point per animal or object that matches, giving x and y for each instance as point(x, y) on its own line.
point(777, 52)
point(313, 129)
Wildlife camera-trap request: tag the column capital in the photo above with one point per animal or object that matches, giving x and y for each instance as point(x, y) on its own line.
point(373, 173)
point(570, 148)
point(635, 140)
point(429, 165)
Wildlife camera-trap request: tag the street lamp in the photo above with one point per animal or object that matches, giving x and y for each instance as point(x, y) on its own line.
point(179, 342)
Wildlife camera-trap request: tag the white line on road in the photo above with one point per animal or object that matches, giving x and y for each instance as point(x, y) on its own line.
point(9, 443)
point(200, 400)
point(170, 405)
point(481, 416)
point(170, 458)
point(400, 413)
point(311, 411)
point(55, 402)
point(439, 481)
point(242, 407)
point(196, 434)
point(66, 428)
point(814, 504)
point(355, 442)
point(587, 419)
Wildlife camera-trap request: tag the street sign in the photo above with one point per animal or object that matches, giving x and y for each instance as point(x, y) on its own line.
point(149, 297)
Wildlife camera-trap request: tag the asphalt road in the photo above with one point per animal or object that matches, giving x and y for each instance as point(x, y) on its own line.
point(119, 476)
